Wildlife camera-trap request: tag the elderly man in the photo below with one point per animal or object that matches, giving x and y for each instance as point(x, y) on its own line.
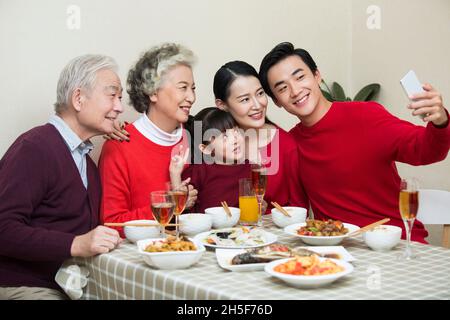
point(50, 188)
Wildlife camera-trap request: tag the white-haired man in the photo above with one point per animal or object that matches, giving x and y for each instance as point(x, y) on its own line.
point(50, 188)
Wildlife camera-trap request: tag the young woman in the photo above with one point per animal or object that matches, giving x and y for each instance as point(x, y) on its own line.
point(237, 90)
point(161, 87)
point(218, 159)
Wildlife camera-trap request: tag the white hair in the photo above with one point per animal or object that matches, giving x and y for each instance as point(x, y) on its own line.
point(147, 76)
point(80, 72)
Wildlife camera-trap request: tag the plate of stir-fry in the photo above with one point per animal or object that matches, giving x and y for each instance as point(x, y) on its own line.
point(321, 233)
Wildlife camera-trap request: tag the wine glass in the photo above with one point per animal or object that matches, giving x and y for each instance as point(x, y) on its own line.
point(180, 195)
point(163, 206)
point(408, 205)
point(259, 182)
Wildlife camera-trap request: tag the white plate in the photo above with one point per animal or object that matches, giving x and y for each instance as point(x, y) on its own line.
point(269, 239)
point(339, 250)
point(319, 241)
point(300, 281)
point(224, 257)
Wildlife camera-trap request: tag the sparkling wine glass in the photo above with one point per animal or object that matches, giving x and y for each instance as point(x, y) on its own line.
point(408, 206)
point(180, 195)
point(163, 206)
point(259, 182)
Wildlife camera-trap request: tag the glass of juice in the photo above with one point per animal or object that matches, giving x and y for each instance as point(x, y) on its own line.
point(248, 203)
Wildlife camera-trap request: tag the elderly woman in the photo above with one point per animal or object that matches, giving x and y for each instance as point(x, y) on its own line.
point(161, 87)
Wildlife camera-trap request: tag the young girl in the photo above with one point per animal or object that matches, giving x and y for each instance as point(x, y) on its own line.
point(217, 161)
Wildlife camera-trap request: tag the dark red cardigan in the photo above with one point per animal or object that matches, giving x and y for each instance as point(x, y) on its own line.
point(43, 206)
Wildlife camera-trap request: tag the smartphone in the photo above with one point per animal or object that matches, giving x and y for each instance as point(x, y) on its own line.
point(411, 85)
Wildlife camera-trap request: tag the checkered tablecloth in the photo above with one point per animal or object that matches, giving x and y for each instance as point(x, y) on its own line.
point(122, 274)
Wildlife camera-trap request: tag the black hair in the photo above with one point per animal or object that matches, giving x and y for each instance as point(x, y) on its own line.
point(209, 118)
point(226, 75)
point(280, 52)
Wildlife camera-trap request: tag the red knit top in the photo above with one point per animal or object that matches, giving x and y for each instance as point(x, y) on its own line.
point(130, 171)
point(348, 158)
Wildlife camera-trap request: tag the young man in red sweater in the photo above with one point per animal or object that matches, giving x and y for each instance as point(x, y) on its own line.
point(348, 149)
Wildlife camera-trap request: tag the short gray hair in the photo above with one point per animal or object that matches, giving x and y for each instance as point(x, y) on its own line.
point(147, 75)
point(80, 72)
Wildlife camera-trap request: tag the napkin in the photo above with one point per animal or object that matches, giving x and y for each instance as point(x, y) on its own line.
point(72, 278)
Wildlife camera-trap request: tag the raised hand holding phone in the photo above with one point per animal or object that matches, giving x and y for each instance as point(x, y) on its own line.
point(426, 102)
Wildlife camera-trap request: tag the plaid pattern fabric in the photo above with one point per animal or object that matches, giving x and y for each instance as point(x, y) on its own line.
point(122, 274)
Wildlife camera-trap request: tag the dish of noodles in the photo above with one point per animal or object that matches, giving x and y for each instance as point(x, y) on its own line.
point(171, 244)
point(319, 228)
point(308, 272)
point(309, 266)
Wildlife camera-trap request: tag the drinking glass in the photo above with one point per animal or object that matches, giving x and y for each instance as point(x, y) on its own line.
point(163, 206)
point(248, 204)
point(408, 206)
point(259, 182)
point(180, 195)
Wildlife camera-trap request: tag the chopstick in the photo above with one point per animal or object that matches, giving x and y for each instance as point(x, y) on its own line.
point(125, 224)
point(226, 208)
point(281, 209)
point(368, 227)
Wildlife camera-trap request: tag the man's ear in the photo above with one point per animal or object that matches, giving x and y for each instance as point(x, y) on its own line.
point(204, 149)
point(221, 105)
point(77, 99)
point(275, 101)
point(318, 76)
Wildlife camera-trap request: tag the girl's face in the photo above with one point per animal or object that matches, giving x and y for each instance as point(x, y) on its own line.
point(247, 102)
point(173, 100)
point(226, 147)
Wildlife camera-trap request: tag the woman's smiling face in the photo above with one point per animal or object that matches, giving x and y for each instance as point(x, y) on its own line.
point(247, 102)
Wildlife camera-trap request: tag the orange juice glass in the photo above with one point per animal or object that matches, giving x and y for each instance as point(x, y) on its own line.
point(248, 203)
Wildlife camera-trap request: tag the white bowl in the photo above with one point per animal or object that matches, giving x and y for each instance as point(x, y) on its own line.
point(300, 281)
point(139, 233)
point(194, 223)
point(297, 214)
point(319, 240)
point(383, 238)
point(172, 259)
point(220, 219)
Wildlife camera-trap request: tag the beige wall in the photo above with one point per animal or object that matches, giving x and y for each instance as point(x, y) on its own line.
point(35, 44)
point(414, 34)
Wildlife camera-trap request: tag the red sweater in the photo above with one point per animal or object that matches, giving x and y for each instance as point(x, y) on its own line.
point(130, 171)
point(216, 183)
point(348, 162)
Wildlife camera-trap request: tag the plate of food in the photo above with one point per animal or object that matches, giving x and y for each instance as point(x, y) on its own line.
point(321, 233)
point(308, 271)
point(236, 238)
point(253, 259)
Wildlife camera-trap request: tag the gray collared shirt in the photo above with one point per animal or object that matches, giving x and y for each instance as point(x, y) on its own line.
point(78, 148)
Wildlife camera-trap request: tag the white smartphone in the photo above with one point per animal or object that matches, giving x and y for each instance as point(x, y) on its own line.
point(411, 85)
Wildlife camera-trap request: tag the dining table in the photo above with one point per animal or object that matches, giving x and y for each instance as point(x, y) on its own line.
point(123, 274)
